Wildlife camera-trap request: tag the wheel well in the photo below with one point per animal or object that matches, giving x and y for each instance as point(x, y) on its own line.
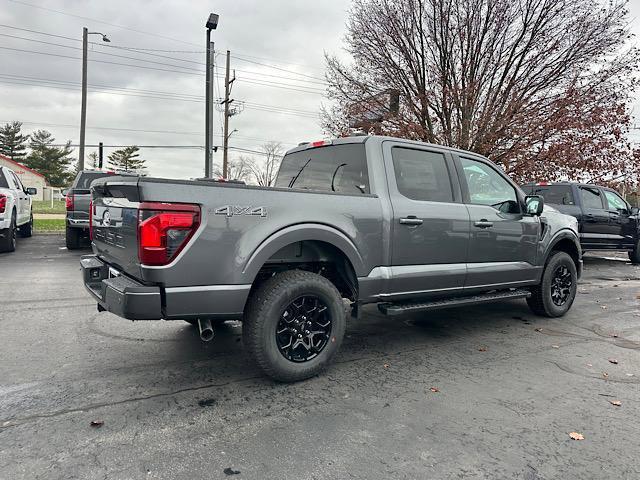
point(317, 257)
point(569, 247)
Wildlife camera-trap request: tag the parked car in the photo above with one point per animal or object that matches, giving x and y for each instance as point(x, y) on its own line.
point(407, 225)
point(15, 209)
point(77, 199)
point(605, 220)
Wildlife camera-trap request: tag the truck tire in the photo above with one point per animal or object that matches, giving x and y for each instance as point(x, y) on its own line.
point(293, 325)
point(8, 240)
point(557, 290)
point(634, 255)
point(73, 238)
point(26, 230)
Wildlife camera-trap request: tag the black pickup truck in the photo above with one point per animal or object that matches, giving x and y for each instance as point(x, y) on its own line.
point(605, 220)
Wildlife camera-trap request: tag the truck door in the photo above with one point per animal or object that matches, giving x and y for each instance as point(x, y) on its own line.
point(622, 225)
point(22, 200)
point(595, 231)
point(430, 225)
point(503, 241)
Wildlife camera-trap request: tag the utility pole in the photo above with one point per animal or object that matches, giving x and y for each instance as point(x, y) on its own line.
point(83, 108)
point(227, 101)
point(100, 154)
point(212, 24)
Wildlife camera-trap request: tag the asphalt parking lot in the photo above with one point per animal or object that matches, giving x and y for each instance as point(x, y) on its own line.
point(509, 388)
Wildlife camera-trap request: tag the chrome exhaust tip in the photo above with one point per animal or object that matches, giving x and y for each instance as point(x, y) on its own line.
point(206, 330)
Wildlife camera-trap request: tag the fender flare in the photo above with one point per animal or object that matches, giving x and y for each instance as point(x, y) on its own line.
point(298, 233)
point(565, 233)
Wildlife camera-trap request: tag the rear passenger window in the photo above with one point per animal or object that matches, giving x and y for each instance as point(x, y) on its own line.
point(422, 175)
point(591, 198)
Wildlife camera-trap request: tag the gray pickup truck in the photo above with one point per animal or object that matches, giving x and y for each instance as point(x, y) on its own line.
point(407, 225)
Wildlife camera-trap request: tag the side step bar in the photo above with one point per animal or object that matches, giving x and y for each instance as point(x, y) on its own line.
point(409, 307)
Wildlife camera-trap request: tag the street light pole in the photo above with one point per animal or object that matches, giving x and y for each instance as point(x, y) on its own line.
point(212, 24)
point(83, 112)
point(83, 108)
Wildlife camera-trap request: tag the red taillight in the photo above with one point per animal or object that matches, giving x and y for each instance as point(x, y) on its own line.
point(91, 220)
point(542, 184)
point(164, 229)
point(69, 201)
point(3, 202)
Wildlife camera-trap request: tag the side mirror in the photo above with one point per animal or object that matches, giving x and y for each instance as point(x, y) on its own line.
point(32, 191)
point(64, 191)
point(635, 210)
point(535, 204)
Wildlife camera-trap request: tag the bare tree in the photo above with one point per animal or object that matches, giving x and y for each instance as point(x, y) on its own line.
point(539, 86)
point(265, 170)
point(237, 169)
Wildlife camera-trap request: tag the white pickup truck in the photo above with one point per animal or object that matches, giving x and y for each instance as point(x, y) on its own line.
point(15, 209)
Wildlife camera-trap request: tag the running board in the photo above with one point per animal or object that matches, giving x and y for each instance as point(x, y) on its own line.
point(409, 307)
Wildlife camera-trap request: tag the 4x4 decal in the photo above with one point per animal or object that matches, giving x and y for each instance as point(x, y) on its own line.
point(235, 210)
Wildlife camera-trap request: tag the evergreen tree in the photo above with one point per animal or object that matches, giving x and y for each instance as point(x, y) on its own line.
point(92, 160)
point(52, 162)
point(127, 159)
point(12, 142)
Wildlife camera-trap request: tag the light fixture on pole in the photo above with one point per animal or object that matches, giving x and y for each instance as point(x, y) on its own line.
point(83, 111)
point(212, 24)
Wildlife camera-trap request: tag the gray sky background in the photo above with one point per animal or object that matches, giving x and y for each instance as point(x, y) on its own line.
point(291, 36)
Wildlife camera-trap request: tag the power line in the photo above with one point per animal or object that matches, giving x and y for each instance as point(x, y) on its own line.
point(286, 86)
point(278, 68)
point(104, 23)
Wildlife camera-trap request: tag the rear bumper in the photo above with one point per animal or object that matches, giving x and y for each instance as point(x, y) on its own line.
point(120, 294)
point(78, 222)
point(130, 299)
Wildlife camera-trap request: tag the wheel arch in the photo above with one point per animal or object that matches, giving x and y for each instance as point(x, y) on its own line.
point(308, 246)
point(566, 241)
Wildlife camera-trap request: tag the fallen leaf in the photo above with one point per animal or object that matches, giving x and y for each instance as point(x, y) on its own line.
point(482, 349)
point(604, 307)
point(434, 389)
point(615, 403)
point(576, 436)
point(555, 346)
point(614, 335)
point(97, 423)
point(386, 365)
point(613, 360)
point(605, 374)
point(538, 329)
point(207, 402)
point(231, 471)
point(589, 365)
point(629, 374)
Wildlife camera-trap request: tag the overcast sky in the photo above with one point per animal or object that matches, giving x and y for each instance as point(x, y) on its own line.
point(291, 36)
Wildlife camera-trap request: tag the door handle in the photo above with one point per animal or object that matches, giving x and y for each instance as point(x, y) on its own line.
point(484, 223)
point(411, 220)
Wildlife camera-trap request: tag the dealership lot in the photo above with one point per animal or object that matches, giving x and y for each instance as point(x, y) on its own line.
point(482, 392)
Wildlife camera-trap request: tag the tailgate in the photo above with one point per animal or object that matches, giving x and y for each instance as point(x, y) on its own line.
point(115, 222)
point(81, 200)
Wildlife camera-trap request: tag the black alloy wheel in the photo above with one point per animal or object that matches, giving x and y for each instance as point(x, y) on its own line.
point(304, 329)
point(561, 283)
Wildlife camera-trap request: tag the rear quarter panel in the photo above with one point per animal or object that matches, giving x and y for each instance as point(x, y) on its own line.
point(229, 248)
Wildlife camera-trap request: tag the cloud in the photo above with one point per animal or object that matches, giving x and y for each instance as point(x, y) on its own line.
point(289, 35)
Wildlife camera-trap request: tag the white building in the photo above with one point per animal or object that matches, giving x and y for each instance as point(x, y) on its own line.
point(28, 177)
